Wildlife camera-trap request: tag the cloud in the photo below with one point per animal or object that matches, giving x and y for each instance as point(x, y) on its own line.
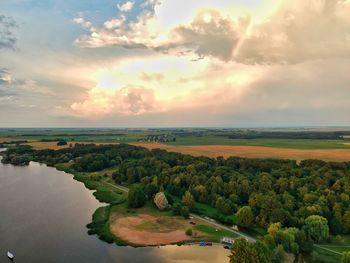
point(114, 23)
point(150, 77)
point(126, 101)
point(223, 93)
point(209, 34)
point(81, 21)
point(5, 77)
point(299, 31)
point(126, 7)
point(296, 31)
point(172, 83)
point(118, 32)
point(21, 92)
point(7, 39)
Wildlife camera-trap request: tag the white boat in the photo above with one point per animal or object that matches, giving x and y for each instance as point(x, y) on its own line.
point(10, 255)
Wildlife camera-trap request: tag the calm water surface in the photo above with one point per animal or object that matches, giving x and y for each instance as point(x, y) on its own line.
point(43, 213)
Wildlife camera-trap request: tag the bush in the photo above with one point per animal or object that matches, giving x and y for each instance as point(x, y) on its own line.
point(339, 240)
point(189, 232)
point(61, 143)
point(185, 211)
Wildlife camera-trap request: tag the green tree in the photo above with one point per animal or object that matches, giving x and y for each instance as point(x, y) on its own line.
point(304, 242)
point(188, 200)
point(286, 238)
point(346, 221)
point(317, 228)
point(346, 257)
point(223, 206)
point(185, 211)
point(264, 253)
point(136, 197)
point(151, 190)
point(245, 217)
point(176, 208)
point(243, 252)
point(273, 229)
point(278, 255)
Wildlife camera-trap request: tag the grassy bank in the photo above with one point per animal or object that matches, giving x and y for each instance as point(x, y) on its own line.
point(107, 192)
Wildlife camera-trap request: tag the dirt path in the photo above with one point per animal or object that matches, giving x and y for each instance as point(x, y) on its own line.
point(213, 223)
point(329, 250)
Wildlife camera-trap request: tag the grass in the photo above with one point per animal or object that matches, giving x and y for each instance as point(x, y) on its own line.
point(100, 226)
point(106, 195)
point(217, 235)
point(104, 192)
point(206, 210)
point(163, 224)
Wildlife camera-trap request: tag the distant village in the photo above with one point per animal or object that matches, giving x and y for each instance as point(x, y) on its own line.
point(159, 138)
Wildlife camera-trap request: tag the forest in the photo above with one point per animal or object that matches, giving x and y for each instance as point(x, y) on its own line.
point(297, 203)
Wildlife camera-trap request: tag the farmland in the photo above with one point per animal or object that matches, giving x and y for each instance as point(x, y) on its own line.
point(325, 144)
point(273, 143)
point(323, 139)
point(255, 152)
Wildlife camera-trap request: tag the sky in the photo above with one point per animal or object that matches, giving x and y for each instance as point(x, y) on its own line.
point(167, 63)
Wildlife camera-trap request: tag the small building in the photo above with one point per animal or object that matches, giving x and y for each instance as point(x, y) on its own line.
point(227, 241)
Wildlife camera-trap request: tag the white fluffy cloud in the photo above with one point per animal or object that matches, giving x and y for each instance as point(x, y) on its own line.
point(126, 7)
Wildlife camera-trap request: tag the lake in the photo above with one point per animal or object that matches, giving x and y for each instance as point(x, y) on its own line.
point(43, 214)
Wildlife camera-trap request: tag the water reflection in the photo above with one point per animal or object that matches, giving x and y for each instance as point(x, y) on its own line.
point(43, 213)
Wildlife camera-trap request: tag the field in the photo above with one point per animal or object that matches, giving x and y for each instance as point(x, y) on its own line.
point(74, 135)
point(254, 152)
point(192, 136)
point(273, 143)
point(335, 152)
point(203, 141)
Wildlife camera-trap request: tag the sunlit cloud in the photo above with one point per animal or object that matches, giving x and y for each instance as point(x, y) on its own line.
point(169, 82)
point(282, 32)
point(177, 63)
